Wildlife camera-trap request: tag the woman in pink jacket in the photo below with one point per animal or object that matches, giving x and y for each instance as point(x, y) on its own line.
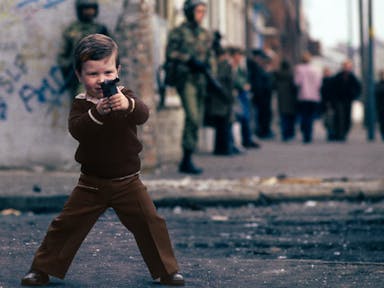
point(308, 81)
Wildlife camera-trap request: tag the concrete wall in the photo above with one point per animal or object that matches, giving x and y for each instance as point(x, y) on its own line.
point(33, 107)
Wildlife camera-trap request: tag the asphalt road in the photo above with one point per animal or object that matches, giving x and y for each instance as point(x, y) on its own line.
point(297, 244)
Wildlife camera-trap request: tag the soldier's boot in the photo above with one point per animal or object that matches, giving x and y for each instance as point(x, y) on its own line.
point(186, 164)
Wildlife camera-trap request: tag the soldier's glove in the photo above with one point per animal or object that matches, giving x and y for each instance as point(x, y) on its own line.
point(196, 65)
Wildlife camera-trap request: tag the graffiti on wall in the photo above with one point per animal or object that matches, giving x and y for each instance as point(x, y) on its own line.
point(50, 89)
point(3, 109)
point(16, 10)
point(49, 92)
point(44, 3)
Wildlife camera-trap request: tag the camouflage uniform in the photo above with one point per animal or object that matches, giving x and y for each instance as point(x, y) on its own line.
point(71, 35)
point(184, 43)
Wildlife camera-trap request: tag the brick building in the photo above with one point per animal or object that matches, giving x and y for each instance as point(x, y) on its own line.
point(285, 27)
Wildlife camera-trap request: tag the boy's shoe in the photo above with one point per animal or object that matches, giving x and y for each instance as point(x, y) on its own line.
point(35, 278)
point(173, 280)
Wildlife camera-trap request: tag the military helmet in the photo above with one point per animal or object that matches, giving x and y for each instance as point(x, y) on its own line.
point(86, 3)
point(80, 4)
point(189, 7)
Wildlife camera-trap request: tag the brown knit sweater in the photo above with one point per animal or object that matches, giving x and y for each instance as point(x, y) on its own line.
point(108, 144)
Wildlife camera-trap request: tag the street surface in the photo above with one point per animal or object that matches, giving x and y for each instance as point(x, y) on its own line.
point(292, 244)
point(330, 236)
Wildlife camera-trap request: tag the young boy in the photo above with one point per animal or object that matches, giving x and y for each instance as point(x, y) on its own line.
point(242, 88)
point(108, 153)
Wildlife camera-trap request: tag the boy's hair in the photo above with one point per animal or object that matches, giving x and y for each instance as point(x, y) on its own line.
point(94, 47)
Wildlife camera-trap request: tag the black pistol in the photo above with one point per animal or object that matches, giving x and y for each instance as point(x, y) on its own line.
point(109, 87)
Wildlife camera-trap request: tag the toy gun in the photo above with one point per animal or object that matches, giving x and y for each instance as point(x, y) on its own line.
point(109, 87)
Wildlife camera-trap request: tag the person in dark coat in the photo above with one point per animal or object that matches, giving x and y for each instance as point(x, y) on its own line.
point(220, 105)
point(347, 88)
point(328, 103)
point(379, 93)
point(261, 88)
point(287, 99)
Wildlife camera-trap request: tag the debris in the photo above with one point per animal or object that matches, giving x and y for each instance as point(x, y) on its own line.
point(36, 188)
point(369, 210)
point(310, 203)
point(300, 181)
point(269, 181)
point(338, 191)
point(8, 212)
point(281, 176)
point(219, 218)
point(177, 210)
point(251, 225)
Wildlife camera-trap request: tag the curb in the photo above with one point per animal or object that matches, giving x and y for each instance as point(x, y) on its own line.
point(197, 194)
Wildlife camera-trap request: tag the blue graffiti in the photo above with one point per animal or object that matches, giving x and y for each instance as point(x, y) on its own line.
point(49, 92)
point(9, 79)
point(11, 76)
point(48, 3)
point(51, 3)
point(25, 2)
point(3, 109)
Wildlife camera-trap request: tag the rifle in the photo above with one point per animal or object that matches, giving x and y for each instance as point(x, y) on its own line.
point(161, 80)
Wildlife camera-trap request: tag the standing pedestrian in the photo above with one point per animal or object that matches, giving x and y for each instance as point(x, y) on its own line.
point(346, 88)
point(189, 46)
point(308, 81)
point(86, 11)
point(220, 104)
point(106, 129)
point(379, 91)
point(328, 103)
point(261, 87)
point(242, 92)
point(287, 99)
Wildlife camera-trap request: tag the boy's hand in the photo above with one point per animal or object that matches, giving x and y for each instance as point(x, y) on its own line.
point(118, 102)
point(103, 106)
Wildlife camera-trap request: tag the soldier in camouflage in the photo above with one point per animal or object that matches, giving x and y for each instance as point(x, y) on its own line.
point(189, 45)
point(87, 11)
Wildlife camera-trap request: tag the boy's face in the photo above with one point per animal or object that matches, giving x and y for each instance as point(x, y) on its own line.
point(94, 72)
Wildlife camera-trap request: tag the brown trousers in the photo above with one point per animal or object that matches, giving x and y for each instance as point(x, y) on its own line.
point(89, 199)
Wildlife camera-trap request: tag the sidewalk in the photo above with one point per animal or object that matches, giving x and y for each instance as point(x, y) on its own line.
point(276, 172)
